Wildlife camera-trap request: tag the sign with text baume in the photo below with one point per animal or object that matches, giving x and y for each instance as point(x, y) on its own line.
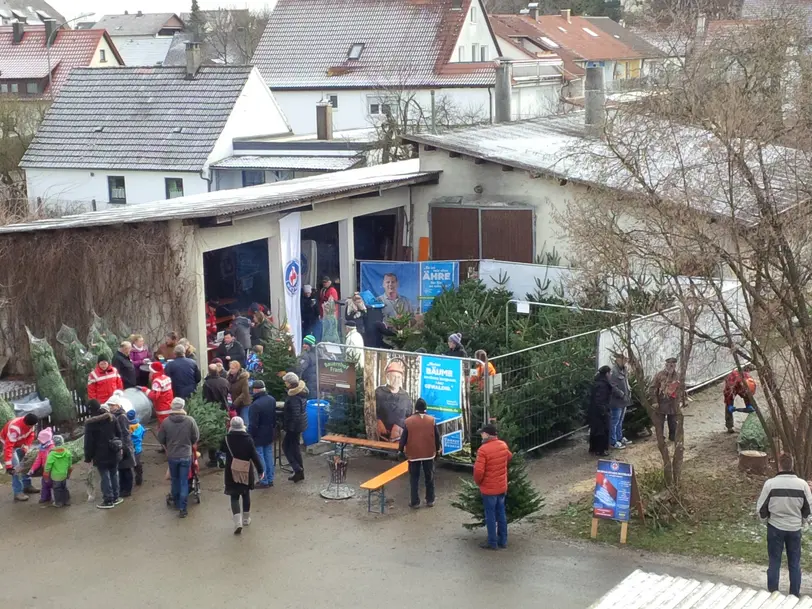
point(613, 490)
point(441, 384)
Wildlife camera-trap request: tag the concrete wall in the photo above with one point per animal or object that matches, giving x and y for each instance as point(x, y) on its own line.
point(77, 188)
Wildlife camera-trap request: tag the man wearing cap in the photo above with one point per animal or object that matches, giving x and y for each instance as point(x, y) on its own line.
point(178, 435)
point(263, 429)
point(455, 348)
point(491, 476)
point(420, 442)
point(294, 422)
point(621, 399)
point(664, 392)
point(103, 381)
point(307, 363)
point(392, 404)
point(160, 392)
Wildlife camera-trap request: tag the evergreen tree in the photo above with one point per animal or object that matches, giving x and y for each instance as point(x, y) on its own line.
point(277, 359)
point(196, 22)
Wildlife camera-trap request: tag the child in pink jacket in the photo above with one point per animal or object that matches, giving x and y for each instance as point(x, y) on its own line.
point(45, 438)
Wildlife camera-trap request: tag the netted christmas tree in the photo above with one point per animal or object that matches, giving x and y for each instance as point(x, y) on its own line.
point(277, 359)
point(211, 420)
point(50, 383)
point(6, 412)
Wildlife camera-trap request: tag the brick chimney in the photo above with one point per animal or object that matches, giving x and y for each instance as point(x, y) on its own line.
point(567, 14)
point(193, 59)
point(17, 29)
point(50, 31)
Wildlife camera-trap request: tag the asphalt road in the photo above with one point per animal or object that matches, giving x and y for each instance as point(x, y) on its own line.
point(300, 551)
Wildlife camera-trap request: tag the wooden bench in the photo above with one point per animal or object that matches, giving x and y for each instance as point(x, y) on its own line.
point(377, 485)
point(343, 441)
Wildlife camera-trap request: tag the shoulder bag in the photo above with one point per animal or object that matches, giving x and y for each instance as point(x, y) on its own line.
point(240, 468)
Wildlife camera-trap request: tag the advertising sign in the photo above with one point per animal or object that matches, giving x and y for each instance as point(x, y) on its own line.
point(452, 442)
point(441, 383)
point(336, 377)
point(613, 490)
point(434, 278)
point(407, 287)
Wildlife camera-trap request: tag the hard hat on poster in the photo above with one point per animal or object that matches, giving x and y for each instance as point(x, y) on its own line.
point(395, 365)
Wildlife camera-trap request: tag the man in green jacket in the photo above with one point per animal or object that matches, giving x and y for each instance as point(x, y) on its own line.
point(58, 468)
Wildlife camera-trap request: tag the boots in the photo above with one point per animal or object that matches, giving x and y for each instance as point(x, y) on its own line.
point(31, 490)
point(237, 524)
point(246, 519)
point(20, 497)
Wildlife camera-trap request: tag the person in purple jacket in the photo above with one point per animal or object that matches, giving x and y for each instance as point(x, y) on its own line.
point(138, 355)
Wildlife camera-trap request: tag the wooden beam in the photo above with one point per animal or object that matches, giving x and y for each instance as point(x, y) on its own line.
point(479, 161)
point(428, 148)
point(454, 155)
point(507, 168)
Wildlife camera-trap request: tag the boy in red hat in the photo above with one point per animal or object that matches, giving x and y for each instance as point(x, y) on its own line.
point(160, 392)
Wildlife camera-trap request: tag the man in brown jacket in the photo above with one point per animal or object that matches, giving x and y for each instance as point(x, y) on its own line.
point(420, 441)
point(664, 392)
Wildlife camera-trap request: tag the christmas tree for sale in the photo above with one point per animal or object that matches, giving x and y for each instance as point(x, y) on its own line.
point(522, 498)
point(277, 359)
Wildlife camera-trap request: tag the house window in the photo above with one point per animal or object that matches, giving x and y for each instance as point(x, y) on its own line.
point(4, 88)
point(102, 56)
point(14, 87)
point(31, 88)
point(483, 52)
point(174, 187)
point(461, 54)
point(253, 178)
point(283, 175)
point(473, 14)
point(474, 51)
point(116, 189)
point(380, 107)
point(355, 51)
point(333, 99)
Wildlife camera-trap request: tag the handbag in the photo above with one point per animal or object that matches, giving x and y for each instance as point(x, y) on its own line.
point(240, 468)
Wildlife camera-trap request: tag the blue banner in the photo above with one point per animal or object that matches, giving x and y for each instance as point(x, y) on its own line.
point(434, 278)
point(452, 442)
point(441, 383)
point(613, 490)
point(407, 287)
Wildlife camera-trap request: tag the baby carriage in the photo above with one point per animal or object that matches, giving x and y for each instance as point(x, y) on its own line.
point(194, 479)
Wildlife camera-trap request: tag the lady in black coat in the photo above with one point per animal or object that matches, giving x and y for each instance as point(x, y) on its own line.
point(239, 445)
point(598, 413)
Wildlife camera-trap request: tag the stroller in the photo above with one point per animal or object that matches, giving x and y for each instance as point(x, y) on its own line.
point(194, 479)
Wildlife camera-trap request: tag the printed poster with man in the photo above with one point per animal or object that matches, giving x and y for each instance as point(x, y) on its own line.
point(407, 287)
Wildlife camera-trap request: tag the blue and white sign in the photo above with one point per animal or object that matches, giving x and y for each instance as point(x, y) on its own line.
point(441, 383)
point(434, 278)
point(290, 250)
point(292, 276)
point(452, 442)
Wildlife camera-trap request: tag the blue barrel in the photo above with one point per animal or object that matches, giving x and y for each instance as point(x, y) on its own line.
point(317, 414)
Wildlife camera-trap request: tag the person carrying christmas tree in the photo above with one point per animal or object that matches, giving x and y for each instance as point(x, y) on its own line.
point(491, 476)
point(735, 386)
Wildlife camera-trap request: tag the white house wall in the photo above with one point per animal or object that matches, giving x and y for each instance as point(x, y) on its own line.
point(476, 32)
point(76, 189)
point(110, 57)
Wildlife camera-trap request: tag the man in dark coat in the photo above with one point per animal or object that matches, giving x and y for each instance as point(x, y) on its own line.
point(230, 350)
point(455, 348)
point(184, 373)
point(598, 413)
point(307, 363)
point(263, 429)
point(309, 309)
point(294, 422)
point(127, 462)
point(376, 329)
point(103, 447)
point(216, 388)
point(125, 367)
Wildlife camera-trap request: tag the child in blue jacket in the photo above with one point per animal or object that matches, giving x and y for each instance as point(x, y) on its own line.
point(137, 432)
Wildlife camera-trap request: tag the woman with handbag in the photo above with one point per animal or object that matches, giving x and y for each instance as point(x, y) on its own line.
point(243, 469)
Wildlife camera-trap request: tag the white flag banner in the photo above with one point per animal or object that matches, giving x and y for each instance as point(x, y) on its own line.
point(290, 243)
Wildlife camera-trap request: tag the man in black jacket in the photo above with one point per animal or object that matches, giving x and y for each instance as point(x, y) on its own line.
point(125, 367)
point(230, 350)
point(103, 447)
point(216, 388)
point(263, 429)
point(184, 373)
point(307, 363)
point(294, 422)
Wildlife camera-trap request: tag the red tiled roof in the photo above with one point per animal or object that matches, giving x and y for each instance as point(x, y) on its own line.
point(727, 28)
point(569, 35)
point(69, 49)
point(509, 29)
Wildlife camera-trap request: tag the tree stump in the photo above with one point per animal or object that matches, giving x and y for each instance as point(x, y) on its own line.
point(753, 462)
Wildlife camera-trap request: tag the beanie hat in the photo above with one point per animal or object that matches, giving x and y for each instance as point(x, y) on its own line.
point(93, 405)
point(45, 436)
point(259, 385)
point(156, 367)
point(132, 417)
point(237, 424)
point(217, 360)
point(104, 408)
point(102, 358)
point(309, 340)
point(177, 404)
point(291, 378)
point(420, 405)
point(308, 287)
point(456, 338)
point(59, 441)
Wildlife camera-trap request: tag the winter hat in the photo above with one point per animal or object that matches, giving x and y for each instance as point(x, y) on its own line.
point(420, 405)
point(59, 441)
point(259, 385)
point(237, 424)
point(156, 367)
point(309, 340)
point(45, 436)
point(456, 338)
point(350, 324)
point(488, 429)
point(177, 404)
point(132, 417)
point(307, 287)
point(291, 378)
point(104, 408)
point(102, 358)
point(93, 406)
point(217, 360)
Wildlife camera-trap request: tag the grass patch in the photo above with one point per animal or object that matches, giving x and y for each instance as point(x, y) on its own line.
point(715, 517)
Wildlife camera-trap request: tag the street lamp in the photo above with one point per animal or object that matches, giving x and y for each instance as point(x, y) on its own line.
point(49, 39)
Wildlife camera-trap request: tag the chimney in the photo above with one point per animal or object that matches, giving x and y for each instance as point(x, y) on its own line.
point(503, 92)
point(126, 12)
point(193, 59)
point(50, 31)
point(18, 29)
point(701, 27)
point(594, 99)
point(139, 14)
point(567, 14)
point(324, 120)
point(534, 10)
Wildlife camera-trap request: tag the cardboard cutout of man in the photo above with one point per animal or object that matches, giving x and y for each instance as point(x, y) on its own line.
point(392, 404)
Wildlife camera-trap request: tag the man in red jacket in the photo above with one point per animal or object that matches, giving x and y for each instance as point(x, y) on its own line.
point(160, 392)
point(16, 438)
point(491, 475)
point(103, 381)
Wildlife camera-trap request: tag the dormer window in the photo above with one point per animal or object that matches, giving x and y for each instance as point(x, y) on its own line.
point(355, 51)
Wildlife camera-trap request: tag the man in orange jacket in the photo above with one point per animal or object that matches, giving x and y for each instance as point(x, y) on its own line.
point(103, 381)
point(160, 392)
point(491, 475)
point(16, 438)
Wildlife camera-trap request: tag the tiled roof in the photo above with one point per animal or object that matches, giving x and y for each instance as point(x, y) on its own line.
point(31, 9)
point(727, 29)
point(672, 42)
point(176, 55)
point(572, 36)
point(137, 118)
point(766, 9)
point(145, 51)
point(513, 27)
point(406, 43)
point(625, 35)
point(70, 49)
point(145, 24)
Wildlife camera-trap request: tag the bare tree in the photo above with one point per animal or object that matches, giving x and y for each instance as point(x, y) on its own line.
point(19, 120)
point(233, 34)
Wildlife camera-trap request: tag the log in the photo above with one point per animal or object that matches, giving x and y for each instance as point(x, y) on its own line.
point(753, 462)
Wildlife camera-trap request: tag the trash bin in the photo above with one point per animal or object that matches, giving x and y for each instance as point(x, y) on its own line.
point(318, 411)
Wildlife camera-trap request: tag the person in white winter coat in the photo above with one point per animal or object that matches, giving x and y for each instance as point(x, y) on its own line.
point(355, 344)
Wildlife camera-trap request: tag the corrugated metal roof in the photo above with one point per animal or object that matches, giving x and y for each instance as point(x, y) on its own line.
point(144, 51)
point(226, 203)
point(302, 163)
point(406, 43)
point(642, 590)
point(138, 118)
point(135, 24)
